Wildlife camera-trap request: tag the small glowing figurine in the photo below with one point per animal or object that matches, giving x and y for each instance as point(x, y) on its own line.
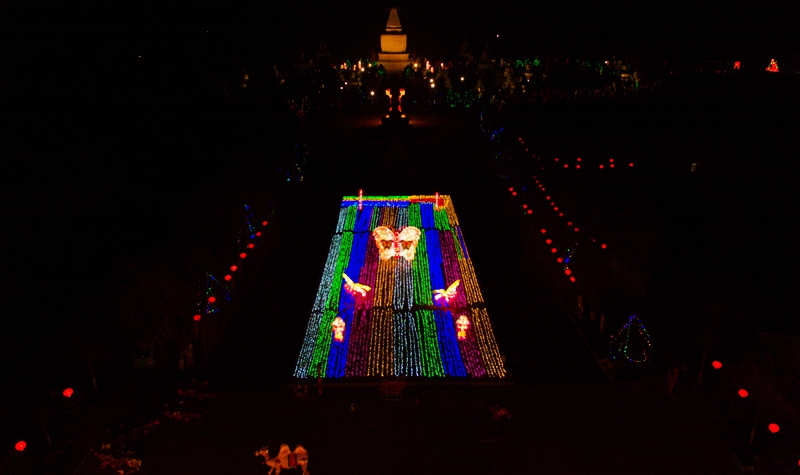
point(354, 288)
point(338, 329)
point(447, 294)
point(462, 324)
point(773, 66)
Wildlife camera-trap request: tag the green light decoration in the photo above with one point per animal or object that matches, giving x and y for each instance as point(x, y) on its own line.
point(632, 342)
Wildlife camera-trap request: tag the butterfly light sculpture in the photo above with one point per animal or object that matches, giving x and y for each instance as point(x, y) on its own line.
point(462, 324)
point(448, 293)
point(396, 244)
point(338, 329)
point(355, 288)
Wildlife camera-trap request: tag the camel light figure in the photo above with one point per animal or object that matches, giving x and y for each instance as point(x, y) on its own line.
point(285, 459)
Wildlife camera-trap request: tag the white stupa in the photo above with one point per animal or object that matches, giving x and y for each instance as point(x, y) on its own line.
point(393, 54)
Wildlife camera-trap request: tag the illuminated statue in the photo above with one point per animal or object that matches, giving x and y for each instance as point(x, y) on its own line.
point(354, 287)
point(448, 293)
point(773, 66)
point(396, 244)
point(285, 459)
point(462, 324)
point(737, 65)
point(338, 329)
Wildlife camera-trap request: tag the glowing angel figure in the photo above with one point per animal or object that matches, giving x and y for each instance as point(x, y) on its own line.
point(462, 324)
point(773, 66)
point(448, 293)
point(354, 287)
point(338, 329)
point(396, 243)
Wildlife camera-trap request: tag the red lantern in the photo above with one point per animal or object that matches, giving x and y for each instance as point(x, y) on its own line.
point(20, 446)
point(233, 268)
point(67, 392)
point(212, 299)
point(228, 277)
point(743, 393)
point(553, 250)
point(264, 223)
point(716, 364)
point(251, 245)
point(243, 255)
point(197, 317)
point(774, 428)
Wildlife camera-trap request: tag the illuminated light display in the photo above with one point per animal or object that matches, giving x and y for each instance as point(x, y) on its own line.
point(552, 203)
point(258, 234)
point(773, 66)
point(360, 200)
point(577, 230)
point(630, 164)
point(243, 255)
point(251, 245)
point(197, 317)
point(569, 223)
point(774, 428)
point(68, 392)
point(556, 159)
point(560, 260)
point(228, 277)
point(612, 165)
point(514, 193)
point(338, 329)
point(560, 215)
point(547, 197)
point(530, 211)
point(572, 279)
point(234, 268)
point(393, 243)
point(602, 166)
point(577, 166)
point(553, 250)
point(462, 324)
point(549, 241)
point(610, 160)
point(737, 65)
point(20, 446)
point(355, 288)
point(566, 165)
point(512, 188)
point(448, 293)
point(397, 328)
point(743, 393)
point(543, 231)
point(524, 206)
point(579, 159)
point(632, 342)
point(716, 364)
point(263, 223)
point(603, 246)
point(555, 208)
point(212, 299)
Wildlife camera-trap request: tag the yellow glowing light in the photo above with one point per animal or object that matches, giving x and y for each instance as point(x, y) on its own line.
point(354, 287)
point(338, 329)
point(371, 93)
point(462, 78)
point(448, 293)
point(362, 70)
point(462, 324)
point(416, 65)
point(433, 85)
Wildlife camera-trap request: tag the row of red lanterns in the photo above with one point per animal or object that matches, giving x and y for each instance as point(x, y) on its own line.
point(234, 268)
point(743, 393)
point(22, 445)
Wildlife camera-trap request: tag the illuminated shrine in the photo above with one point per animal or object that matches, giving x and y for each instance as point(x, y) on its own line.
point(393, 54)
point(399, 296)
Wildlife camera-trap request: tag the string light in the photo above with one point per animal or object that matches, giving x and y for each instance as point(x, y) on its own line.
point(395, 328)
point(716, 364)
point(20, 446)
point(67, 392)
point(743, 393)
point(774, 428)
point(632, 342)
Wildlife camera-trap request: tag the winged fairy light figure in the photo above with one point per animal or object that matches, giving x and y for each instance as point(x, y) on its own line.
point(448, 293)
point(393, 243)
point(354, 287)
